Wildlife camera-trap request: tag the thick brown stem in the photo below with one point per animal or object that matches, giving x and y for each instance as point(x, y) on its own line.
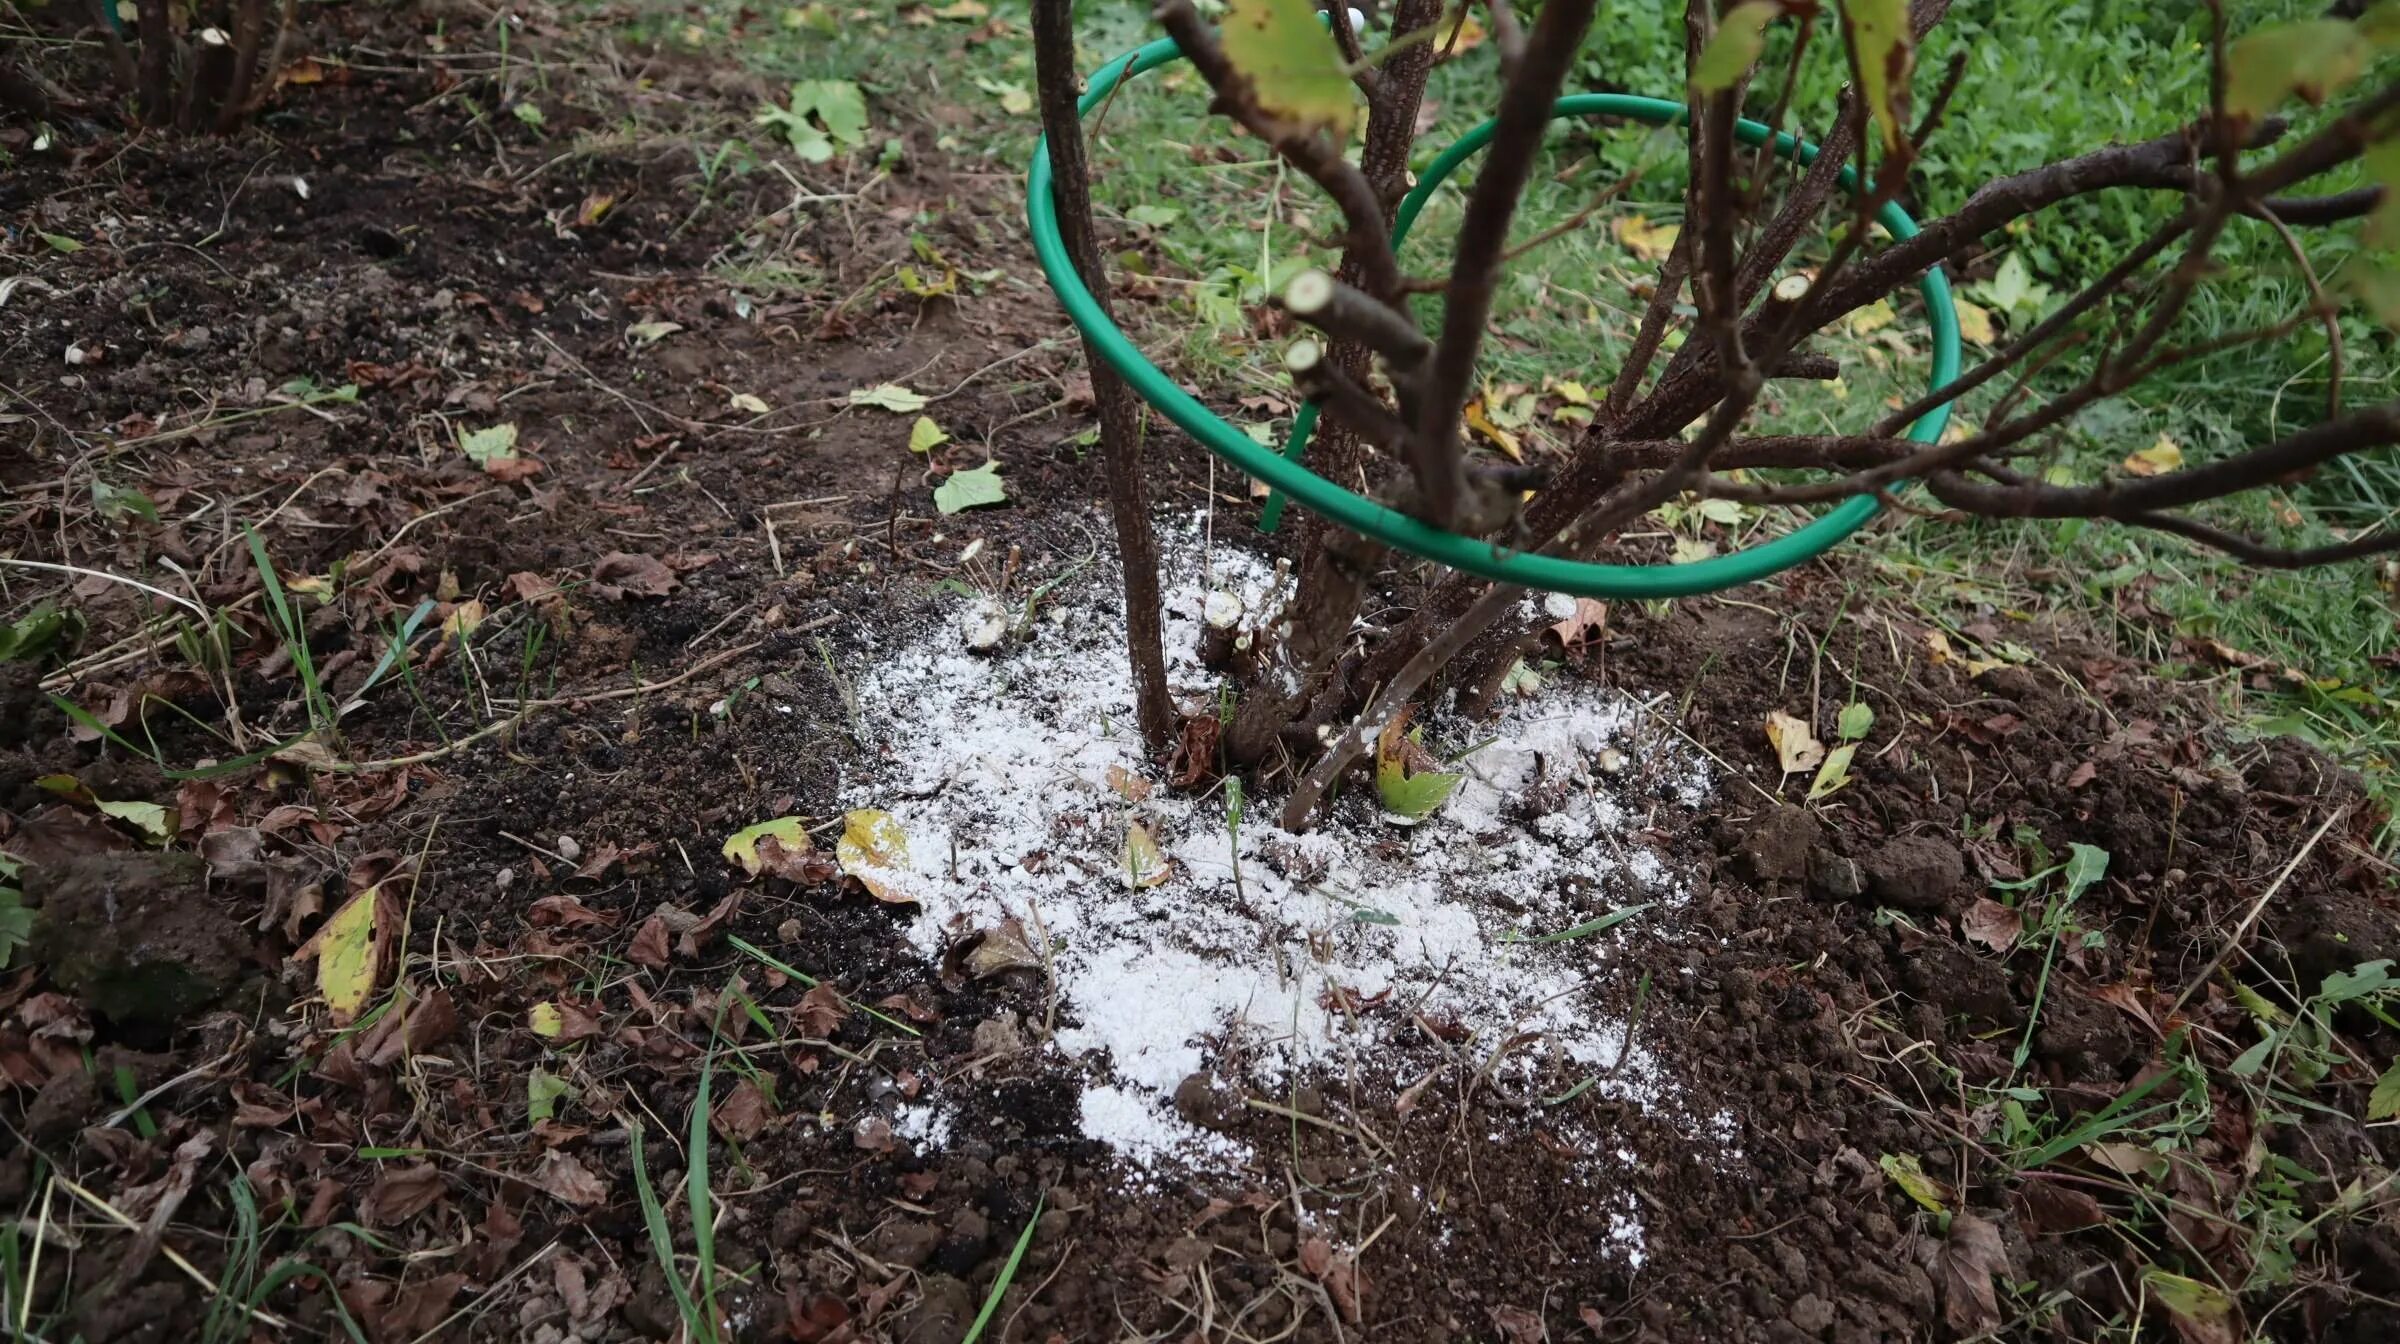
point(1120, 429)
point(1337, 453)
point(249, 31)
point(1525, 114)
point(120, 56)
point(157, 62)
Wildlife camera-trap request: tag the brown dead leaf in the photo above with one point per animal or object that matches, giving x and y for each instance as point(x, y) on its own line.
point(419, 1307)
point(1992, 924)
point(400, 1194)
point(814, 1318)
point(1518, 1325)
point(623, 574)
point(563, 911)
point(821, 1010)
point(744, 1113)
point(432, 1020)
point(511, 470)
point(2051, 1207)
point(696, 939)
point(1589, 621)
point(569, 1180)
point(873, 1134)
point(649, 947)
point(1965, 1265)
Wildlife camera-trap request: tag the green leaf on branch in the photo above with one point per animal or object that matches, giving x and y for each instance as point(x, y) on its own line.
point(973, 489)
point(1294, 68)
point(1879, 37)
point(1734, 48)
point(2313, 59)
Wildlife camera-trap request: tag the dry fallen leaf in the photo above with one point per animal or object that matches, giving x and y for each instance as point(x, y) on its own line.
point(649, 946)
point(622, 574)
point(2156, 460)
point(1650, 242)
point(875, 851)
point(570, 1180)
point(350, 950)
point(1968, 1260)
point(1992, 924)
point(1796, 747)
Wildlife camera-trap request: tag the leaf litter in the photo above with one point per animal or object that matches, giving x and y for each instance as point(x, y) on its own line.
point(1249, 957)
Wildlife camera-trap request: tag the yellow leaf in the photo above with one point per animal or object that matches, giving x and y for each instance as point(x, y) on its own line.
point(1481, 422)
point(742, 846)
point(1291, 61)
point(2156, 460)
point(1464, 36)
point(349, 957)
point(1650, 242)
point(1909, 1174)
point(463, 619)
point(873, 850)
point(1145, 866)
point(1873, 318)
point(546, 1021)
point(1974, 322)
point(1571, 392)
point(1796, 747)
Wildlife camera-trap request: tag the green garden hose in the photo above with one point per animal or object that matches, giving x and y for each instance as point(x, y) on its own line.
point(1361, 514)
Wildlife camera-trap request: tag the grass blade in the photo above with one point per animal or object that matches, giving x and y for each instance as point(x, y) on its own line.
point(1587, 928)
point(1008, 1273)
point(662, 1241)
point(745, 945)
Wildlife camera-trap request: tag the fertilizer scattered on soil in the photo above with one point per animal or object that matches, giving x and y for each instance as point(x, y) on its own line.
point(1246, 958)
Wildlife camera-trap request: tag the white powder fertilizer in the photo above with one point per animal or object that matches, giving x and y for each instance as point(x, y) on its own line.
point(1266, 957)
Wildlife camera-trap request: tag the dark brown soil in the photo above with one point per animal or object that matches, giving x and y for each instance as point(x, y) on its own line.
point(1825, 992)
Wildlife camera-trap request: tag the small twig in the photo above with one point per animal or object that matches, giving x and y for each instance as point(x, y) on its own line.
point(2257, 907)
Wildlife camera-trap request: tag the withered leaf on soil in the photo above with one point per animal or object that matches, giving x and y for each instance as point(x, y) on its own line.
point(874, 849)
point(560, 910)
point(1002, 950)
point(814, 1318)
point(401, 1194)
point(569, 1180)
point(822, 1009)
point(704, 930)
point(420, 1306)
point(1968, 1260)
point(623, 574)
point(2051, 1207)
point(1992, 924)
point(649, 947)
point(744, 1113)
point(1796, 745)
